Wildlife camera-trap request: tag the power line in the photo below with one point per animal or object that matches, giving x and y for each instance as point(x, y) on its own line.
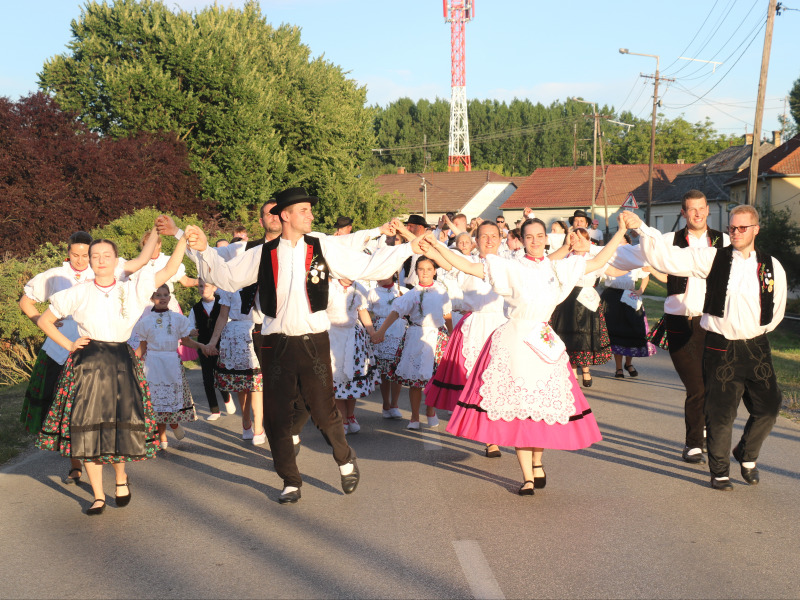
point(713, 6)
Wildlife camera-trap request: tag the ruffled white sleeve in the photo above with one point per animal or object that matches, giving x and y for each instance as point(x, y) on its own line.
point(404, 304)
point(496, 273)
point(64, 303)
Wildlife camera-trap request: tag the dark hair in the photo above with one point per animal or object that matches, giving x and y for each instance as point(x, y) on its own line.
point(236, 239)
point(561, 224)
point(515, 233)
point(627, 238)
point(240, 228)
point(692, 195)
point(109, 242)
point(583, 232)
point(422, 259)
point(492, 223)
point(79, 237)
point(265, 205)
point(163, 285)
point(529, 222)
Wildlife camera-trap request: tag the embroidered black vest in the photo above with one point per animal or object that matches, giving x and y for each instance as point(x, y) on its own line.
point(316, 284)
point(248, 294)
point(205, 323)
point(717, 284)
point(675, 284)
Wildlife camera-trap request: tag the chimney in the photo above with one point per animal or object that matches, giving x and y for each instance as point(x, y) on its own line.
point(748, 139)
point(401, 170)
point(680, 161)
point(776, 138)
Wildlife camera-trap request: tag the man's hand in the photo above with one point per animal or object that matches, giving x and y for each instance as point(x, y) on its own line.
point(526, 211)
point(388, 229)
point(631, 219)
point(166, 226)
point(195, 238)
point(402, 230)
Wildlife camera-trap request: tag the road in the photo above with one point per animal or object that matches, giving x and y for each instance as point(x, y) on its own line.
point(432, 517)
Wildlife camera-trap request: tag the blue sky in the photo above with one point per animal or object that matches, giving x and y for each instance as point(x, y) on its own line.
point(543, 51)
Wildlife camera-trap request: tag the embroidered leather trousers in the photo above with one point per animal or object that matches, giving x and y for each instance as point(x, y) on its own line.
point(297, 371)
point(734, 370)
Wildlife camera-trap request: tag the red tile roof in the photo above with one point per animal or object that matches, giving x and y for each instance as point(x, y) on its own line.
point(446, 191)
point(783, 160)
point(567, 187)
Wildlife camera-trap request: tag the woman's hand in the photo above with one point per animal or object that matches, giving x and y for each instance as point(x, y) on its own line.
point(81, 342)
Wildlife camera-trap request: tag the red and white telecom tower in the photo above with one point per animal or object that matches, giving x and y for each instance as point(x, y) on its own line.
point(457, 13)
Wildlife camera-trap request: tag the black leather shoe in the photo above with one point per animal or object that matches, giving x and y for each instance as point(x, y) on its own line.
point(749, 475)
point(526, 491)
point(539, 482)
point(350, 482)
point(694, 459)
point(289, 497)
point(587, 382)
point(723, 485)
point(123, 500)
point(96, 510)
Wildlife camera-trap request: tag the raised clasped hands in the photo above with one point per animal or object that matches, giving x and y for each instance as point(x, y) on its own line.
point(195, 238)
point(166, 226)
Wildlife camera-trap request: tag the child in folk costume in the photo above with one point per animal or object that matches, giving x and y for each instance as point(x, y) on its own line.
point(352, 358)
point(238, 369)
point(428, 309)
point(380, 300)
point(102, 411)
point(207, 326)
point(159, 332)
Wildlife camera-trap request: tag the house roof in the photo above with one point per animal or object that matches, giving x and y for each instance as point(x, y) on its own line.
point(783, 160)
point(567, 187)
point(449, 191)
point(709, 176)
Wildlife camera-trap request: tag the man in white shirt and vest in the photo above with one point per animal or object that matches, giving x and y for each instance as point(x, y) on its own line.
point(745, 298)
point(682, 311)
point(293, 272)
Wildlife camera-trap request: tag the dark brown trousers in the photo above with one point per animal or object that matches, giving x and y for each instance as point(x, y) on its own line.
point(297, 379)
point(686, 343)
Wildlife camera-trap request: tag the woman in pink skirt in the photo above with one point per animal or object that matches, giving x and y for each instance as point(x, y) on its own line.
point(522, 391)
point(484, 312)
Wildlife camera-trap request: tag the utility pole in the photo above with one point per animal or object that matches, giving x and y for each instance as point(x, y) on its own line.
point(752, 180)
point(605, 187)
point(594, 150)
point(656, 78)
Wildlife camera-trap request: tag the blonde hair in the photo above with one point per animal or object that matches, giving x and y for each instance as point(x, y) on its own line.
point(747, 209)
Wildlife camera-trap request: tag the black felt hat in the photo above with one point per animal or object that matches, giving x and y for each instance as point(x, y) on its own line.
point(291, 196)
point(343, 222)
point(579, 213)
point(416, 220)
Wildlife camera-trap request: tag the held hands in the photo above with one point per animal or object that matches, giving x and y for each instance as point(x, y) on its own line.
point(376, 337)
point(209, 350)
point(402, 229)
point(632, 220)
point(388, 229)
point(195, 238)
point(166, 226)
point(81, 342)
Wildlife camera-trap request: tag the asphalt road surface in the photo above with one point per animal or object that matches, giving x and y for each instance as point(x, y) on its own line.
point(432, 517)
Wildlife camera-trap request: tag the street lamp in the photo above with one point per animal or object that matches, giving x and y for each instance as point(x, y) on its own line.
point(652, 132)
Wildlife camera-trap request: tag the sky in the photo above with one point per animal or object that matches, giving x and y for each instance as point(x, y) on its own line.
point(526, 49)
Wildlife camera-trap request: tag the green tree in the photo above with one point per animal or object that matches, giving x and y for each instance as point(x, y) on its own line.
point(257, 113)
point(779, 236)
point(794, 103)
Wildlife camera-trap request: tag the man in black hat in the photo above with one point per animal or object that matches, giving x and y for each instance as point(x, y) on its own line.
point(292, 273)
point(579, 219)
point(344, 226)
point(408, 274)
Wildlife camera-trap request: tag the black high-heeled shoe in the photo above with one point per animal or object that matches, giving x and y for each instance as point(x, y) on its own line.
point(492, 453)
point(523, 491)
point(539, 482)
point(96, 510)
point(123, 500)
point(71, 479)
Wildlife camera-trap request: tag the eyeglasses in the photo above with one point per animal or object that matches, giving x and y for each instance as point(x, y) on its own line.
point(741, 228)
point(500, 221)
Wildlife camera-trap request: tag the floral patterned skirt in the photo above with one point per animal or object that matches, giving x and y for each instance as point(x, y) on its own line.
point(185, 412)
point(583, 331)
point(102, 410)
point(40, 392)
point(627, 327)
point(363, 382)
point(439, 350)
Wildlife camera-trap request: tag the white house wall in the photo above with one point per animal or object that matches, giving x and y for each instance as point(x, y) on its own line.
point(487, 202)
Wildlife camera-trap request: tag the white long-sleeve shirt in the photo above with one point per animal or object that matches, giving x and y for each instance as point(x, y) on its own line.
point(293, 313)
point(740, 320)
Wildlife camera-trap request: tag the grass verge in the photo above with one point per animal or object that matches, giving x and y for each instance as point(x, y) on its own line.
point(13, 437)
